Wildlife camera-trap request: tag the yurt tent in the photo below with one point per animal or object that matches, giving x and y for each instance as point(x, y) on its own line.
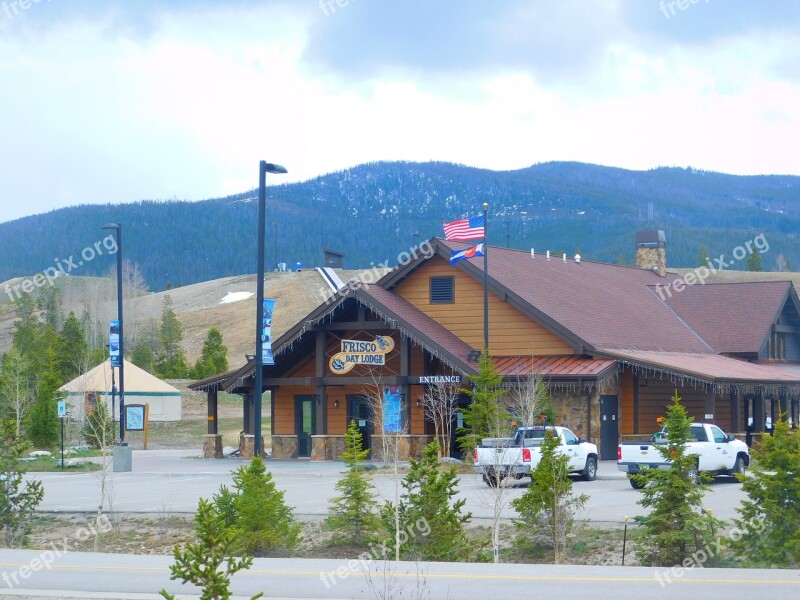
point(83, 392)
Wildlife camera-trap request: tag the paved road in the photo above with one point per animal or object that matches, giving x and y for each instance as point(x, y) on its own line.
point(166, 480)
point(89, 575)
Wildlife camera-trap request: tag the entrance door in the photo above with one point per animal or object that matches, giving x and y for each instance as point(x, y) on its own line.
point(304, 424)
point(609, 427)
point(358, 410)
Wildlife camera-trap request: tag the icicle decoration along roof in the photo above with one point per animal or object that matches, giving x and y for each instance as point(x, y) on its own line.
point(719, 387)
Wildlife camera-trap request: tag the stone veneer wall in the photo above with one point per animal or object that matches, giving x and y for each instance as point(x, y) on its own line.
point(410, 446)
point(284, 446)
point(327, 447)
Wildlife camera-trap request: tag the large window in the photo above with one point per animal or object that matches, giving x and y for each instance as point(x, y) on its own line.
point(443, 290)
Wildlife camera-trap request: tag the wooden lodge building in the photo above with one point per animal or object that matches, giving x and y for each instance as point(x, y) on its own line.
point(613, 343)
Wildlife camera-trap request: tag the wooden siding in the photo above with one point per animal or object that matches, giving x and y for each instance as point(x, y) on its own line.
point(284, 408)
point(510, 331)
point(657, 394)
point(337, 416)
point(626, 402)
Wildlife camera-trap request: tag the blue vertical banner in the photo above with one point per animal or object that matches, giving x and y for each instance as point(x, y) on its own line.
point(113, 343)
point(266, 333)
point(392, 409)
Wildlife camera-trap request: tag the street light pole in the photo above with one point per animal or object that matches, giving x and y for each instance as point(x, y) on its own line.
point(263, 169)
point(118, 231)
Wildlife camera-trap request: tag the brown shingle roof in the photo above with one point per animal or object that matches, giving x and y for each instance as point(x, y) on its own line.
point(607, 306)
point(730, 317)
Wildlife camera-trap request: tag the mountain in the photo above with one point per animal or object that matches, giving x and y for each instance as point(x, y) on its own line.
point(371, 213)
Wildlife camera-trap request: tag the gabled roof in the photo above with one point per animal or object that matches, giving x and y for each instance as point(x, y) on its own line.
point(731, 317)
point(589, 304)
point(391, 308)
point(137, 381)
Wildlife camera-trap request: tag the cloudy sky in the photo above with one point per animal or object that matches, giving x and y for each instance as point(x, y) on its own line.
point(132, 99)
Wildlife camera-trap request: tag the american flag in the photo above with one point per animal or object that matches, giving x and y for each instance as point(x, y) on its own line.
point(465, 230)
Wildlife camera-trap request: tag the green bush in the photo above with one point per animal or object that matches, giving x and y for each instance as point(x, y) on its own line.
point(98, 428)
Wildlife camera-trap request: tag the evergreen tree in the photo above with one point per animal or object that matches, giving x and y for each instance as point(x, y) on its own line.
point(677, 525)
point(214, 358)
point(352, 519)
point(43, 425)
point(19, 498)
point(208, 562)
point(73, 352)
point(547, 509)
point(49, 301)
point(702, 256)
point(260, 520)
point(144, 349)
point(770, 517)
point(485, 416)
point(170, 359)
point(98, 428)
point(754, 261)
point(431, 523)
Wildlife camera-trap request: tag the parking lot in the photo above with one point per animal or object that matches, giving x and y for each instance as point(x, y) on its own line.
point(174, 480)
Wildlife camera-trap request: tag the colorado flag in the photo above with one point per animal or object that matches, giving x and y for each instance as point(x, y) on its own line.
point(471, 252)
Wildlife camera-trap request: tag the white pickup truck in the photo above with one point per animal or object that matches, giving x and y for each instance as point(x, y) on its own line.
point(498, 458)
point(717, 453)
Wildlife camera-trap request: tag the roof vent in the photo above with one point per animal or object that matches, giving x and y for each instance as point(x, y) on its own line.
point(533, 254)
point(564, 257)
point(548, 255)
point(578, 258)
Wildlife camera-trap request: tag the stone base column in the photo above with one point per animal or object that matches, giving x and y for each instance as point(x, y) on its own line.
point(212, 445)
point(248, 445)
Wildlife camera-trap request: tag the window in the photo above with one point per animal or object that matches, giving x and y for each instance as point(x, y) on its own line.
point(443, 290)
point(699, 434)
point(569, 438)
point(719, 437)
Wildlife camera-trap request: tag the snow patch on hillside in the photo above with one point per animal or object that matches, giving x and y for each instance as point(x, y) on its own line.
point(235, 297)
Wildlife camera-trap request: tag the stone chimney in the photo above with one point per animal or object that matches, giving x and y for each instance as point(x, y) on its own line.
point(651, 251)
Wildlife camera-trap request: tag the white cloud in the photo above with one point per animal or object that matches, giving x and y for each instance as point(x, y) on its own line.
point(185, 103)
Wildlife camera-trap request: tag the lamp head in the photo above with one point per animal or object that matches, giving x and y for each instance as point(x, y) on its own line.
point(274, 169)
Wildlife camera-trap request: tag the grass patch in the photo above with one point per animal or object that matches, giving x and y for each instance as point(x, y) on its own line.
point(47, 464)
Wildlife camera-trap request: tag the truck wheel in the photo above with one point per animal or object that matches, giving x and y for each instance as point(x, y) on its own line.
point(739, 467)
point(590, 472)
point(492, 480)
point(635, 483)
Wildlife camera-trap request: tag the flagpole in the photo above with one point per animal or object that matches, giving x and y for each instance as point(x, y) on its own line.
point(486, 277)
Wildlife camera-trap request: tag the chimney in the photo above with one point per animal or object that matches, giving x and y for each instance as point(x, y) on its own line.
point(651, 251)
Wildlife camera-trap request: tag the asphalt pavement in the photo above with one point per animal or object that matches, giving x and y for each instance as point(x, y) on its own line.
point(172, 481)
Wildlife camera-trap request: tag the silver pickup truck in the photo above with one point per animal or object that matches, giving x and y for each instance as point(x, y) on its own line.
point(717, 453)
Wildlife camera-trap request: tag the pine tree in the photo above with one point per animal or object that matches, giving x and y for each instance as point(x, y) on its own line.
point(547, 509)
point(677, 525)
point(485, 416)
point(209, 563)
point(431, 523)
point(754, 261)
point(73, 352)
point(170, 359)
point(770, 517)
point(43, 425)
point(214, 358)
point(352, 519)
point(260, 520)
point(98, 428)
point(702, 256)
point(19, 498)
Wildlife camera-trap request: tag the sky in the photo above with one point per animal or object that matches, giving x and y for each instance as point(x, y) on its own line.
point(125, 100)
